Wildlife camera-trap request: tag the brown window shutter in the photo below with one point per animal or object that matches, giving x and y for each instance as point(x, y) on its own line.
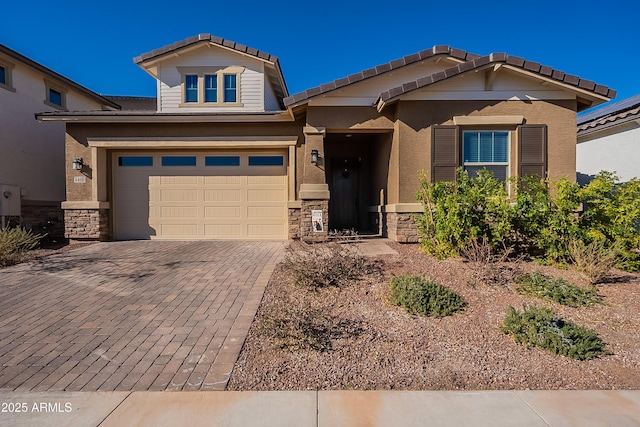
point(445, 153)
point(532, 150)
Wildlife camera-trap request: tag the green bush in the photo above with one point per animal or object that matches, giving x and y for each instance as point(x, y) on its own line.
point(419, 296)
point(15, 243)
point(458, 212)
point(612, 215)
point(535, 221)
point(540, 327)
point(558, 290)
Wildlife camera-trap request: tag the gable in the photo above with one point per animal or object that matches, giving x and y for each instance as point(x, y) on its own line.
point(209, 59)
point(366, 92)
point(256, 84)
point(504, 85)
point(587, 92)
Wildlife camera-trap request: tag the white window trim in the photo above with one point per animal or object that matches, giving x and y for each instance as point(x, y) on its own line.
point(219, 72)
point(49, 85)
point(8, 75)
point(507, 163)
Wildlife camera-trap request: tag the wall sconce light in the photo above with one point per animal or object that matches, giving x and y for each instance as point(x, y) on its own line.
point(314, 156)
point(77, 163)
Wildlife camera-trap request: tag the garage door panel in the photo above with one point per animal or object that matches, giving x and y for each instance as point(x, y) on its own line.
point(223, 180)
point(222, 231)
point(266, 195)
point(225, 195)
point(178, 180)
point(266, 180)
point(179, 231)
point(178, 195)
point(222, 212)
point(259, 231)
point(265, 211)
point(178, 212)
point(200, 202)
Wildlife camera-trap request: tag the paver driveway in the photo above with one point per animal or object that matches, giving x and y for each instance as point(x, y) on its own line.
point(141, 315)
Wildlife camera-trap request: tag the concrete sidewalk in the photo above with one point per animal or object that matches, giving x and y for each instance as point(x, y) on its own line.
point(323, 408)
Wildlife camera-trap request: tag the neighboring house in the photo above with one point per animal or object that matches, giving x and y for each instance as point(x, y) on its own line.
point(609, 139)
point(230, 155)
point(32, 167)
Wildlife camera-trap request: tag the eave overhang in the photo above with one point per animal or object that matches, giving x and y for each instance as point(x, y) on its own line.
point(587, 92)
point(300, 100)
point(154, 117)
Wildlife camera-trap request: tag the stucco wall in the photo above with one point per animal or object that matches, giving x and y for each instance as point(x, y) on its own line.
point(77, 145)
point(617, 150)
point(411, 122)
point(33, 152)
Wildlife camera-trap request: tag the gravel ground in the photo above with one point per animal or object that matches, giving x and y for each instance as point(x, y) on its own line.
point(373, 345)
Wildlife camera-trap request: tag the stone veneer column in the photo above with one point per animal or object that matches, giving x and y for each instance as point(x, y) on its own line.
point(399, 222)
point(314, 191)
point(86, 220)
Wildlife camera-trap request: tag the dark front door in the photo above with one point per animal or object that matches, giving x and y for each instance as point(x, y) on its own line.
point(344, 205)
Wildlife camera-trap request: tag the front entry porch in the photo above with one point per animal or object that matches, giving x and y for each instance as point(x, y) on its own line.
point(357, 173)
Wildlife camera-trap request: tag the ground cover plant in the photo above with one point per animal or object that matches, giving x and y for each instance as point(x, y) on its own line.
point(420, 296)
point(541, 327)
point(559, 290)
point(16, 244)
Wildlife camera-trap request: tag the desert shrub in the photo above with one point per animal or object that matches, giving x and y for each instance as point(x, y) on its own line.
point(15, 244)
point(458, 212)
point(320, 265)
point(420, 296)
point(594, 259)
point(558, 290)
point(488, 265)
point(540, 327)
point(296, 327)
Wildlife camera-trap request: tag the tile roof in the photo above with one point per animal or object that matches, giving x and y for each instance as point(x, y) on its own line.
point(380, 69)
point(208, 38)
point(497, 58)
point(630, 112)
point(610, 109)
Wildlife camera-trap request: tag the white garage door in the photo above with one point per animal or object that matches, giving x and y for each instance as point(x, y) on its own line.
point(187, 196)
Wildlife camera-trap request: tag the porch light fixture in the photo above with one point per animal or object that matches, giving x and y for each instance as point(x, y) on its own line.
point(314, 156)
point(77, 163)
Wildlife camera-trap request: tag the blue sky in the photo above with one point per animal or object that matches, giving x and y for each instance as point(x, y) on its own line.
point(93, 43)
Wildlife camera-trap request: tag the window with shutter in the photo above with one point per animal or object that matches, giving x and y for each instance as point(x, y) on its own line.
point(445, 153)
point(532, 150)
point(486, 150)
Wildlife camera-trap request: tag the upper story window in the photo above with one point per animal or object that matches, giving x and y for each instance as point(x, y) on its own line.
point(210, 88)
point(6, 69)
point(201, 84)
point(191, 88)
point(230, 88)
point(486, 150)
point(55, 96)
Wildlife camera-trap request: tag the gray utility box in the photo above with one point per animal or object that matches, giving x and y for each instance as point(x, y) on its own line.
point(10, 200)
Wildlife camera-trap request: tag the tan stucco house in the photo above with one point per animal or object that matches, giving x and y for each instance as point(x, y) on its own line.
point(32, 170)
point(229, 154)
